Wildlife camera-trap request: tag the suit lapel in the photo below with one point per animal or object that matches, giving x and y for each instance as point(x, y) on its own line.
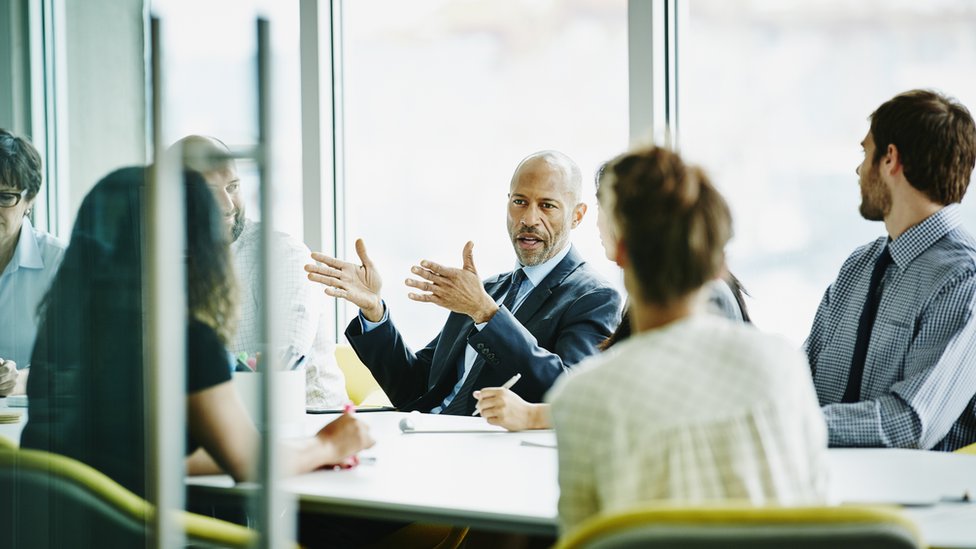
point(538, 296)
point(456, 334)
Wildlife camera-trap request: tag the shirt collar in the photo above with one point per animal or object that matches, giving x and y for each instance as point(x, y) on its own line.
point(536, 273)
point(920, 237)
point(28, 253)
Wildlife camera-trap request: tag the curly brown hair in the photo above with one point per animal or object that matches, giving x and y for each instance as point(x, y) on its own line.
point(672, 221)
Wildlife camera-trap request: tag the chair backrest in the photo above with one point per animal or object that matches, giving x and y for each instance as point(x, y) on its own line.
point(971, 449)
point(724, 527)
point(360, 383)
point(49, 500)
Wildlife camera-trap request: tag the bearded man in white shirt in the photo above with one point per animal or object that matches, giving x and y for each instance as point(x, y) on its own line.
point(302, 304)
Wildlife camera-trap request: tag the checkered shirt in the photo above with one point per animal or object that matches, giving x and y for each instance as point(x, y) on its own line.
point(699, 410)
point(302, 309)
point(919, 376)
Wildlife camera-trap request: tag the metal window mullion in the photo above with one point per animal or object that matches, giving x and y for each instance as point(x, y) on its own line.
point(49, 106)
point(319, 137)
point(652, 82)
point(165, 303)
point(338, 145)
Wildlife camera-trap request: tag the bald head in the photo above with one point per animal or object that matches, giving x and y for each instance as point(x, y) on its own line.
point(555, 165)
point(204, 154)
point(211, 158)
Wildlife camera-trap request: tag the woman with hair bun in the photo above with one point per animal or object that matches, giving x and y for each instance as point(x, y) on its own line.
point(692, 407)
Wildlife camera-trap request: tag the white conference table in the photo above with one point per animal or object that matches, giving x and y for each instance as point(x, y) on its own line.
point(507, 482)
point(487, 480)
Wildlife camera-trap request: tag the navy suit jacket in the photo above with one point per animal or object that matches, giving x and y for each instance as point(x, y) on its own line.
point(561, 322)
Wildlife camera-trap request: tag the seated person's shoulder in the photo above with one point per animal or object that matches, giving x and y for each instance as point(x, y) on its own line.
point(746, 347)
point(52, 248)
point(589, 278)
point(585, 383)
point(291, 245)
point(955, 257)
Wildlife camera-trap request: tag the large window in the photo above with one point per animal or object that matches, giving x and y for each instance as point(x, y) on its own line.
point(209, 52)
point(442, 100)
point(774, 100)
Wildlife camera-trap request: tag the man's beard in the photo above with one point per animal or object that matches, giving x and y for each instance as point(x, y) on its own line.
point(875, 197)
point(238, 227)
point(532, 258)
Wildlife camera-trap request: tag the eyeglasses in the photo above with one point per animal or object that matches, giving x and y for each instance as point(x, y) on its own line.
point(10, 199)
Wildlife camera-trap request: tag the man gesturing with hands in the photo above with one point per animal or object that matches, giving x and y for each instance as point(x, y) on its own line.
point(548, 314)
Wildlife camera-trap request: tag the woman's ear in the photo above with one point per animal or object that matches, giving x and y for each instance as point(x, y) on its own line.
point(620, 257)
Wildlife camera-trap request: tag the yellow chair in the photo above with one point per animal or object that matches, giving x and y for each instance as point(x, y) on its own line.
point(739, 526)
point(50, 500)
point(7, 444)
point(971, 449)
point(360, 383)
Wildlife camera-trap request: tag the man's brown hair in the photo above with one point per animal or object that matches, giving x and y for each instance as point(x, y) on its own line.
point(672, 220)
point(936, 140)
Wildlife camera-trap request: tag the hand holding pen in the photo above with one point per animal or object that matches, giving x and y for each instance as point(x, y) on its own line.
point(507, 385)
point(352, 460)
point(346, 436)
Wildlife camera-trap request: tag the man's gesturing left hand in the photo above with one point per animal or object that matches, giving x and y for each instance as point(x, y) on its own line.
point(459, 290)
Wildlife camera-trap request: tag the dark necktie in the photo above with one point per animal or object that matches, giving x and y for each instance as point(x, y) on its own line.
point(518, 277)
point(864, 327)
point(462, 403)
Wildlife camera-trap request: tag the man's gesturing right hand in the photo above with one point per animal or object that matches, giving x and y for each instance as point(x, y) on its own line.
point(357, 284)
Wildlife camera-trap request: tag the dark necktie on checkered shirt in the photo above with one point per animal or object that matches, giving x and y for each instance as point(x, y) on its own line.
point(864, 327)
point(460, 404)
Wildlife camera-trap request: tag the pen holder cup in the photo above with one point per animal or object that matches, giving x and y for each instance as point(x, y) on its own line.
point(289, 397)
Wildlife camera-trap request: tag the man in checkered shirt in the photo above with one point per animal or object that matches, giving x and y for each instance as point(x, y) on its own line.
point(302, 304)
point(909, 381)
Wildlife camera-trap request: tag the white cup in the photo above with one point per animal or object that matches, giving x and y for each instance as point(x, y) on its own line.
point(289, 398)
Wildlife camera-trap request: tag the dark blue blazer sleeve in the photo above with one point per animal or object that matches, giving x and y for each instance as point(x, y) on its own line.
point(401, 373)
point(576, 331)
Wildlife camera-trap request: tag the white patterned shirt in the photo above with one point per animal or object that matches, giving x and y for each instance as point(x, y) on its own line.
point(699, 410)
point(302, 309)
point(919, 376)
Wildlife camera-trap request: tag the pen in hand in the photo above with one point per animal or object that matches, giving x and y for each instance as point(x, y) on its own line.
point(507, 385)
point(352, 460)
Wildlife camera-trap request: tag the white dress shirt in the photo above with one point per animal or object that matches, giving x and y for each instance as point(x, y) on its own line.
point(302, 309)
point(23, 284)
point(701, 409)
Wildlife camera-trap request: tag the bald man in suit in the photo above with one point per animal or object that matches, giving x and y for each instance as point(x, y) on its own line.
point(542, 318)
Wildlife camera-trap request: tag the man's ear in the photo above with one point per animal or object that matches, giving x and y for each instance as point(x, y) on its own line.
point(892, 160)
point(620, 255)
point(578, 212)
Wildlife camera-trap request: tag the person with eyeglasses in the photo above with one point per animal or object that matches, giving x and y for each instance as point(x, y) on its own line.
point(29, 258)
